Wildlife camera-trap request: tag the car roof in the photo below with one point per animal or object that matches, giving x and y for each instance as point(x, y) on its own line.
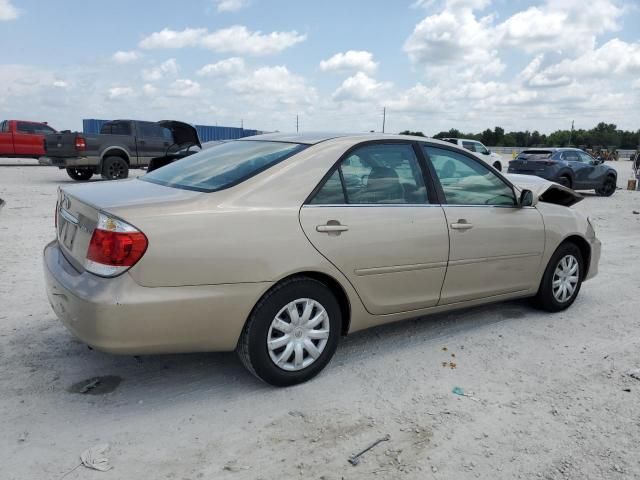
point(312, 138)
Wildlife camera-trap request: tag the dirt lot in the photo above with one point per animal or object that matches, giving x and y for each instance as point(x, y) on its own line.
point(550, 397)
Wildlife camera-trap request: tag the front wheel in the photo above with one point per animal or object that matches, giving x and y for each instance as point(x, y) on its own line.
point(80, 173)
point(565, 181)
point(292, 332)
point(562, 279)
point(608, 187)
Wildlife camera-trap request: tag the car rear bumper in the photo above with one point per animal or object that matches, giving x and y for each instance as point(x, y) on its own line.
point(65, 162)
point(117, 315)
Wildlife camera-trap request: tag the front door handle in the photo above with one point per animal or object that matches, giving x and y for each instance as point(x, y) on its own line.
point(332, 227)
point(462, 224)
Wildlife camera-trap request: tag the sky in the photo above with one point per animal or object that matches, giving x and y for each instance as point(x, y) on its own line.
point(333, 65)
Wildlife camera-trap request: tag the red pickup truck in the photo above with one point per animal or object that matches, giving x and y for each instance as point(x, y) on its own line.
point(20, 138)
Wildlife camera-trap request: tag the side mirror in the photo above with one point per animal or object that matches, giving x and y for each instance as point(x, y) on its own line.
point(528, 199)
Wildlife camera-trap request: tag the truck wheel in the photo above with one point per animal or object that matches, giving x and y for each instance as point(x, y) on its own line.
point(115, 168)
point(80, 173)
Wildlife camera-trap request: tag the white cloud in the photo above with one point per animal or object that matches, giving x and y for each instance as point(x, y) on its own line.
point(231, 5)
point(8, 11)
point(184, 88)
point(125, 57)
point(60, 84)
point(636, 85)
point(356, 60)
point(167, 68)
point(120, 92)
point(418, 98)
point(166, 38)
point(226, 67)
point(275, 84)
point(236, 39)
point(360, 88)
point(149, 90)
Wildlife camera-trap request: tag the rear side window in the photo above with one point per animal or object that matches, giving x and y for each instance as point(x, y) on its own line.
point(570, 156)
point(4, 126)
point(223, 165)
point(467, 182)
point(151, 130)
point(25, 127)
point(375, 174)
point(469, 146)
point(116, 128)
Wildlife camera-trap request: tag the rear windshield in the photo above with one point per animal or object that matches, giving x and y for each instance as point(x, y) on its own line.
point(222, 166)
point(536, 154)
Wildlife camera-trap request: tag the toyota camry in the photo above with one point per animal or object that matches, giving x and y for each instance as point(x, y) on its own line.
point(277, 245)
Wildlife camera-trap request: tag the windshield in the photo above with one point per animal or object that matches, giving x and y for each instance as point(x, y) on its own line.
point(222, 166)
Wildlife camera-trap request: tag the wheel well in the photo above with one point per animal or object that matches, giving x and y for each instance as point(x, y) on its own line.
point(116, 153)
point(585, 249)
point(337, 290)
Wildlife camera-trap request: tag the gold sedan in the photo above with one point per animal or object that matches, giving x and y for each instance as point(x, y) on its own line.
point(277, 245)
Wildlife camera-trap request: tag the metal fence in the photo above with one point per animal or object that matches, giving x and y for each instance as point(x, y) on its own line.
point(206, 133)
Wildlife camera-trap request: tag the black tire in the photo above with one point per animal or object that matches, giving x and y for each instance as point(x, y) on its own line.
point(565, 181)
point(545, 297)
point(252, 346)
point(80, 173)
point(497, 166)
point(115, 168)
point(608, 187)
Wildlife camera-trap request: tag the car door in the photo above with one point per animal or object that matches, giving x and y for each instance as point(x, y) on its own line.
point(26, 140)
point(380, 224)
point(591, 172)
point(495, 246)
point(153, 141)
point(581, 170)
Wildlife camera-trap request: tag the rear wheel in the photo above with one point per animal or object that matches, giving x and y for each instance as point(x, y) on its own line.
point(565, 181)
point(292, 332)
point(115, 168)
point(80, 173)
point(562, 279)
point(608, 187)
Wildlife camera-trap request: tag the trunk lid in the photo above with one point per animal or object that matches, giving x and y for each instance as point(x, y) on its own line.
point(78, 208)
point(183, 133)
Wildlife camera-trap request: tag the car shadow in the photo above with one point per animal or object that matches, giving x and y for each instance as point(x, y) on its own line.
point(149, 379)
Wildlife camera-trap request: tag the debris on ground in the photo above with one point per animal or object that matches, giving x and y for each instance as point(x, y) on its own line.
point(94, 458)
point(634, 373)
point(90, 386)
point(460, 391)
point(233, 466)
point(355, 459)
point(636, 212)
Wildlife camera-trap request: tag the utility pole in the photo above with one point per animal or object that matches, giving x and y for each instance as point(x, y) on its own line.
point(384, 117)
point(297, 124)
point(571, 133)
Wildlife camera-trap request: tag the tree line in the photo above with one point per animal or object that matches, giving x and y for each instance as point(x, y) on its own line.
point(604, 135)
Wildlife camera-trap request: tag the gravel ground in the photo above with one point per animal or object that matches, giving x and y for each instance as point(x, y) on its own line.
point(550, 397)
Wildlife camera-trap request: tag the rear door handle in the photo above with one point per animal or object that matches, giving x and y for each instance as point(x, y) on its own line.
point(332, 227)
point(461, 224)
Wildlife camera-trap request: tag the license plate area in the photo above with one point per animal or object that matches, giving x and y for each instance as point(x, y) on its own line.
point(67, 229)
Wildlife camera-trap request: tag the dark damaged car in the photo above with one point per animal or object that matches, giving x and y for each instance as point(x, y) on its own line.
point(570, 167)
point(120, 146)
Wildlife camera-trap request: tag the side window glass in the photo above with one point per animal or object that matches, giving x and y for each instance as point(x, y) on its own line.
point(383, 174)
point(468, 182)
point(585, 157)
point(481, 149)
point(571, 156)
point(24, 127)
point(331, 192)
point(120, 128)
point(468, 146)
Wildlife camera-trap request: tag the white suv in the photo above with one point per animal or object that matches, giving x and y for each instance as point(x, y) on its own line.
point(480, 150)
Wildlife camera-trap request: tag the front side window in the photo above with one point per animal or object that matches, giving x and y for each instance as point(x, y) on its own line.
point(376, 174)
point(223, 165)
point(44, 129)
point(468, 182)
point(469, 146)
point(480, 148)
point(585, 158)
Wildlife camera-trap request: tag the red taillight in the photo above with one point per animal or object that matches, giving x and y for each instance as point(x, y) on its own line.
point(81, 143)
point(115, 247)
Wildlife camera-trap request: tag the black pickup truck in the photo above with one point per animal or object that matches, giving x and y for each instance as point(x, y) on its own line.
point(120, 145)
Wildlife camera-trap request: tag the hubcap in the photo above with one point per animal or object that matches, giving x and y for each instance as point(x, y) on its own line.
point(565, 278)
point(298, 334)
